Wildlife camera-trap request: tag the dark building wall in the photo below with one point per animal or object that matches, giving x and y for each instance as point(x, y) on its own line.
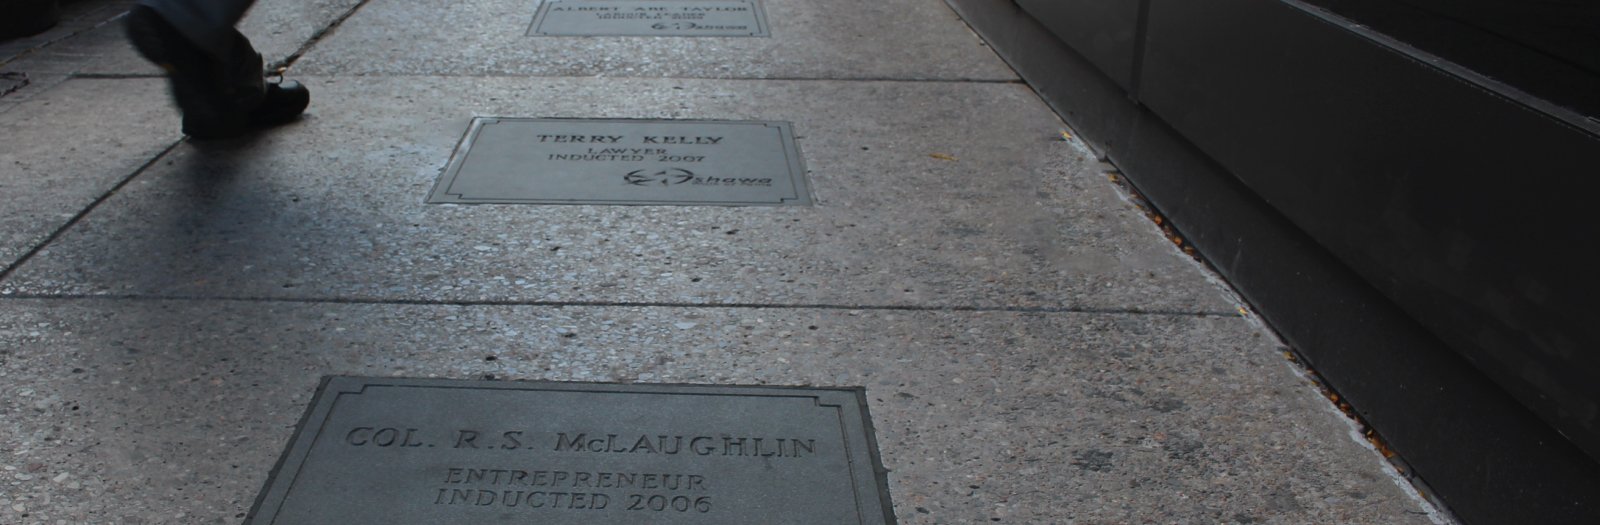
point(1464, 205)
point(1413, 224)
point(1104, 31)
point(1549, 49)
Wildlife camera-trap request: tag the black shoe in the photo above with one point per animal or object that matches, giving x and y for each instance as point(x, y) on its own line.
point(219, 98)
point(283, 103)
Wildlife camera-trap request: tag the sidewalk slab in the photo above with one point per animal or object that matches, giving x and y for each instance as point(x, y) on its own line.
point(953, 194)
point(67, 147)
point(174, 411)
point(811, 39)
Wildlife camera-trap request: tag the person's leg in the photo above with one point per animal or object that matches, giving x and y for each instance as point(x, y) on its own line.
point(207, 23)
point(216, 75)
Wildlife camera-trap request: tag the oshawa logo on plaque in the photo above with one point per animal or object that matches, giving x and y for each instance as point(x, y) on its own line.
point(666, 177)
point(677, 176)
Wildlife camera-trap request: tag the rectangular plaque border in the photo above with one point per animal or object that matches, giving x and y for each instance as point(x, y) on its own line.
point(762, 29)
point(799, 178)
point(299, 446)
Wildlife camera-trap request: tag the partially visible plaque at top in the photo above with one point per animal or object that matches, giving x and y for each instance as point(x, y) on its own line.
point(589, 161)
point(650, 18)
point(385, 451)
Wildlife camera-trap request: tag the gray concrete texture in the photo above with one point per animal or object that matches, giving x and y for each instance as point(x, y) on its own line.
point(1019, 218)
point(173, 412)
point(69, 146)
point(832, 39)
point(1033, 349)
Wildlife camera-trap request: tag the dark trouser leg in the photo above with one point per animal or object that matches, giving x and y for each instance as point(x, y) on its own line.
point(214, 92)
point(216, 75)
point(207, 23)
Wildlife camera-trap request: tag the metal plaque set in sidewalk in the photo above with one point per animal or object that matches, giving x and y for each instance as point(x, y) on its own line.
point(561, 161)
point(725, 18)
point(403, 451)
point(597, 161)
point(419, 451)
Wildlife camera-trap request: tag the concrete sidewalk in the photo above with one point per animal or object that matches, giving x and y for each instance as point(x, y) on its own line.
point(1033, 349)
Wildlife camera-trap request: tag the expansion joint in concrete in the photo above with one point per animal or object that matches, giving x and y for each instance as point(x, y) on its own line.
point(320, 34)
point(842, 79)
point(12, 268)
point(615, 304)
point(115, 76)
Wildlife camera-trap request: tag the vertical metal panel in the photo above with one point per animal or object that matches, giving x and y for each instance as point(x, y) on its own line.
point(1104, 31)
point(1566, 29)
point(1547, 48)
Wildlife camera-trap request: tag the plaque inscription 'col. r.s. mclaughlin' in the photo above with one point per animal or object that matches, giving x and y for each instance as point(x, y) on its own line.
point(397, 451)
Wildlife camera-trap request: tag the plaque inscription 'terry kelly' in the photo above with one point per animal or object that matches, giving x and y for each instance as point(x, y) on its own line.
point(589, 161)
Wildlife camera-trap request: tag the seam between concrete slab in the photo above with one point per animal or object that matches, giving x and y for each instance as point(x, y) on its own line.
point(113, 76)
point(12, 268)
point(826, 79)
point(609, 304)
point(317, 37)
point(616, 77)
point(123, 76)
